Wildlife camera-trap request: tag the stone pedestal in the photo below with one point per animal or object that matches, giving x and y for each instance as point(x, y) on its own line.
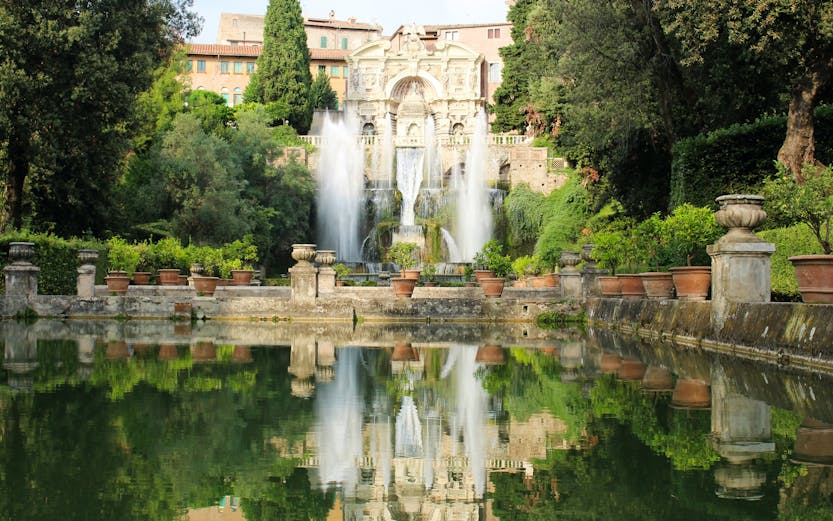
point(304, 276)
point(571, 284)
point(740, 259)
point(590, 282)
point(85, 285)
point(326, 273)
point(21, 275)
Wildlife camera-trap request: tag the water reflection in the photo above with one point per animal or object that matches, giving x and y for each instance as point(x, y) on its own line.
point(118, 422)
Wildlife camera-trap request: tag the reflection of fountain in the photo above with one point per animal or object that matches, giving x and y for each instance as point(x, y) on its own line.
point(341, 189)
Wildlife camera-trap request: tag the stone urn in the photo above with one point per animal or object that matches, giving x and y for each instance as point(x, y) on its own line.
point(303, 254)
point(586, 250)
point(570, 259)
point(21, 252)
point(740, 213)
point(325, 258)
point(87, 257)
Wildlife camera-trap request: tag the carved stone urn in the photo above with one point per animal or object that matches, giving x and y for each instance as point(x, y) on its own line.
point(325, 258)
point(21, 252)
point(570, 259)
point(303, 254)
point(741, 213)
point(87, 257)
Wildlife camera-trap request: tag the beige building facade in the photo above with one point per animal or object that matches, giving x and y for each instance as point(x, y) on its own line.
point(224, 69)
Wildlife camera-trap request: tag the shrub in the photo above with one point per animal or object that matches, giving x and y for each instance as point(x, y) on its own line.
point(404, 254)
point(491, 257)
point(794, 240)
point(687, 232)
point(807, 200)
point(522, 266)
point(566, 211)
point(122, 256)
point(341, 270)
point(169, 253)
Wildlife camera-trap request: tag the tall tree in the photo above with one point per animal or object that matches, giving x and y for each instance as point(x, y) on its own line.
point(321, 95)
point(796, 35)
point(69, 77)
point(283, 74)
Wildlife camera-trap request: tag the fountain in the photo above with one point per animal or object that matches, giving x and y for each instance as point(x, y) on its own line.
point(474, 212)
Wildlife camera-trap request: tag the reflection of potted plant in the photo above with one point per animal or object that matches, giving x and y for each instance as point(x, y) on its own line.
point(808, 200)
point(341, 272)
point(687, 232)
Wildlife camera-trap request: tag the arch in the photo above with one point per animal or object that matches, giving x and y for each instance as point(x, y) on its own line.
point(368, 129)
point(406, 76)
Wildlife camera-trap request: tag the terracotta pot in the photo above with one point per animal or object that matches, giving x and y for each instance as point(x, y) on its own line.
point(241, 354)
point(610, 363)
point(167, 352)
point(490, 354)
point(658, 285)
point(632, 286)
point(410, 274)
point(431, 284)
point(404, 352)
point(538, 282)
point(241, 277)
point(692, 282)
point(117, 283)
point(117, 350)
point(631, 370)
point(492, 286)
point(470, 284)
point(183, 280)
point(205, 285)
point(691, 394)
point(657, 379)
point(814, 274)
point(814, 443)
point(552, 280)
point(610, 286)
point(141, 278)
point(519, 284)
point(203, 351)
point(340, 283)
point(168, 277)
point(403, 287)
point(481, 274)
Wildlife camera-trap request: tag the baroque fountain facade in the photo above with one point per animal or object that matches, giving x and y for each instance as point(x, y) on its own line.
point(410, 158)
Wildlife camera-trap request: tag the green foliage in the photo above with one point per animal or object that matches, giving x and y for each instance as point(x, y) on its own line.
point(157, 106)
point(790, 241)
point(523, 266)
point(243, 251)
point(404, 254)
point(806, 199)
point(57, 259)
point(736, 159)
point(283, 73)
point(321, 95)
point(341, 270)
point(687, 232)
point(525, 216)
point(491, 257)
point(429, 271)
point(122, 256)
point(564, 216)
point(168, 253)
point(611, 249)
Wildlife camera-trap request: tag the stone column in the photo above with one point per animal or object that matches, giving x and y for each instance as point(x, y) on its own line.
point(590, 275)
point(326, 273)
point(570, 276)
point(304, 276)
point(740, 259)
point(21, 275)
point(85, 285)
point(302, 362)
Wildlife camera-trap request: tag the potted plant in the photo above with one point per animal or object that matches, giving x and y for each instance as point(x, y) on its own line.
point(168, 254)
point(491, 257)
point(522, 266)
point(144, 263)
point(242, 255)
point(807, 199)
point(610, 248)
point(404, 254)
point(212, 261)
point(468, 273)
point(687, 232)
point(341, 272)
point(430, 272)
point(122, 260)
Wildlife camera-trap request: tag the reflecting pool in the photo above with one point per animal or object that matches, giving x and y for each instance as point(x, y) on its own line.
point(279, 421)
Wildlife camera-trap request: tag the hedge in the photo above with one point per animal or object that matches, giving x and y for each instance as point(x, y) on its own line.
point(737, 159)
point(795, 240)
point(57, 259)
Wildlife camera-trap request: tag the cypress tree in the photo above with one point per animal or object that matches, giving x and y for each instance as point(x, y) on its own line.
point(283, 74)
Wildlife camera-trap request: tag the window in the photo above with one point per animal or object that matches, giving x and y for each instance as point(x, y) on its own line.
point(238, 67)
point(189, 65)
point(344, 71)
point(224, 67)
point(334, 71)
point(225, 95)
point(238, 96)
point(344, 43)
point(250, 67)
point(494, 33)
point(233, 43)
point(323, 42)
point(495, 70)
point(322, 68)
point(452, 35)
point(200, 65)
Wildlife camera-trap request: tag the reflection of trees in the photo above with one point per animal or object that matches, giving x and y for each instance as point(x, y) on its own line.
point(290, 499)
point(530, 382)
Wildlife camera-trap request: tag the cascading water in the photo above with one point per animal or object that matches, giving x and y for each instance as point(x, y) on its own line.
point(473, 226)
point(340, 189)
point(386, 166)
point(409, 168)
point(433, 161)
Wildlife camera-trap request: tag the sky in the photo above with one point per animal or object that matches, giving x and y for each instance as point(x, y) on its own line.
point(389, 13)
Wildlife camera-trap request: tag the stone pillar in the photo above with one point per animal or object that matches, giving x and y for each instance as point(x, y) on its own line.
point(570, 276)
point(304, 276)
point(326, 273)
point(21, 275)
point(85, 285)
point(590, 274)
point(740, 259)
point(302, 362)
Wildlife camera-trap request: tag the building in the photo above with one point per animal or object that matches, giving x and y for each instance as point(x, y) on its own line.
point(330, 41)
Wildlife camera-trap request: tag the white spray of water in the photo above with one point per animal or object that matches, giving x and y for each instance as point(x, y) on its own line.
point(454, 254)
point(340, 188)
point(340, 411)
point(408, 430)
point(473, 226)
point(433, 160)
point(409, 167)
point(386, 167)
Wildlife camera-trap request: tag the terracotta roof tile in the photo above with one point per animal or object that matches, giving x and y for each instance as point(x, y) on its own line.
point(328, 54)
point(213, 49)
